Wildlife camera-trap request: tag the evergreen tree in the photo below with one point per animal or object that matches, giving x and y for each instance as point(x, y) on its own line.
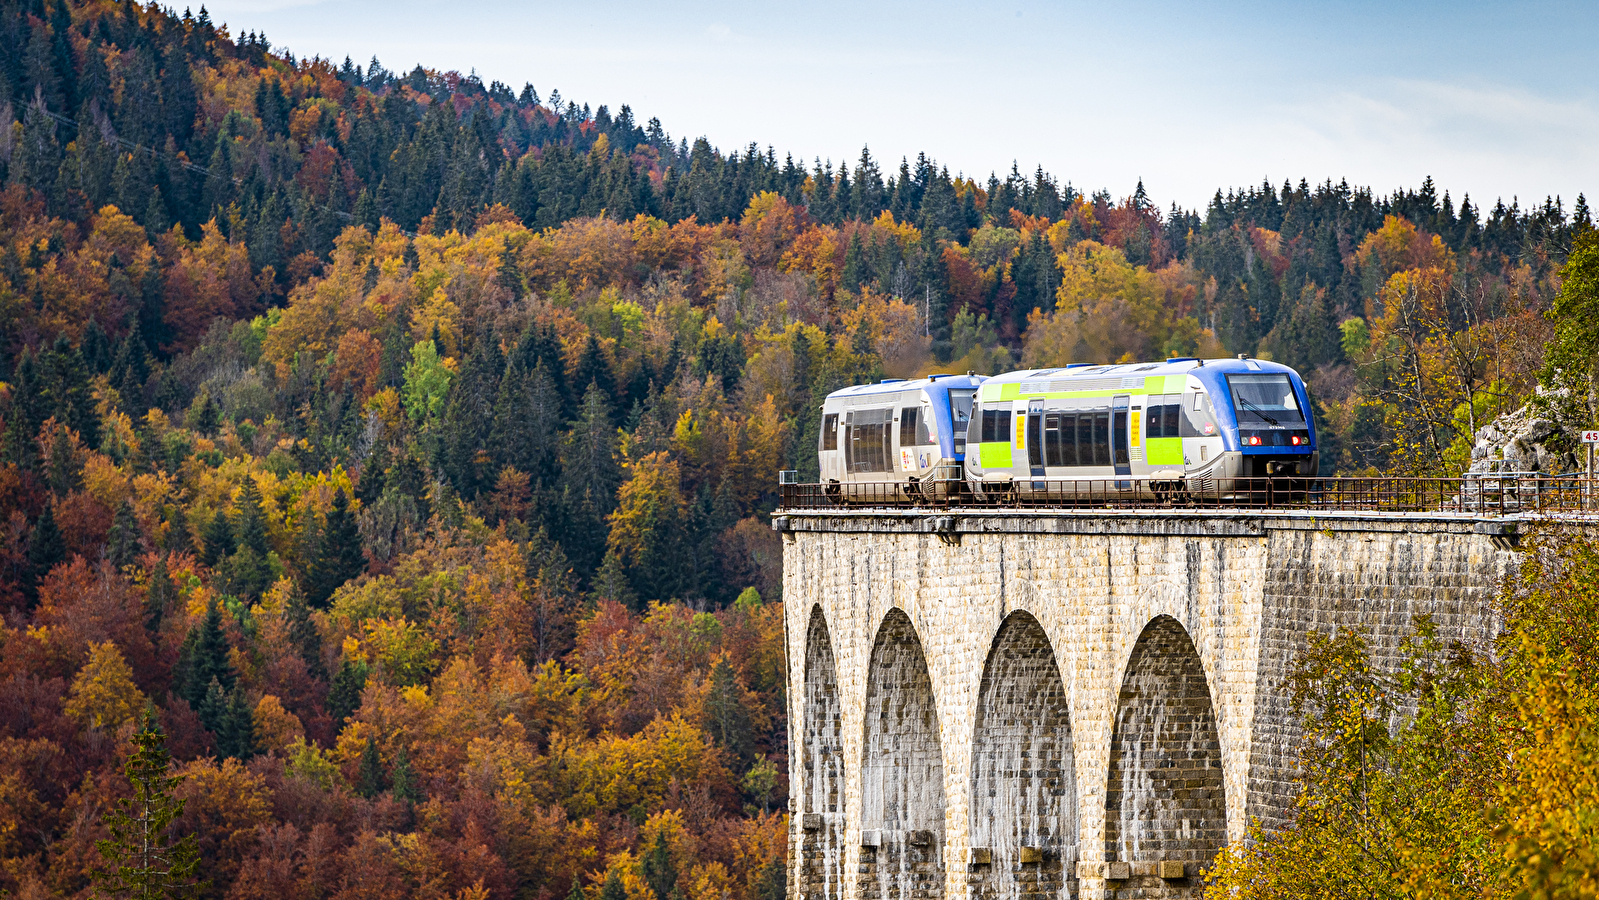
point(657, 868)
point(159, 595)
point(369, 781)
point(213, 710)
point(207, 651)
point(589, 455)
point(142, 859)
point(612, 889)
point(123, 541)
point(338, 556)
point(178, 537)
point(46, 549)
point(304, 634)
point(235, 731)
point(219, 543)
point(344, 697)
point(725, 716)
point(405, 787)
point(577, 892)
point(594, 370)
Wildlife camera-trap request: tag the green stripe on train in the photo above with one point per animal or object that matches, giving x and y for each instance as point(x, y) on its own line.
point(994, 455)
point(1164, 451)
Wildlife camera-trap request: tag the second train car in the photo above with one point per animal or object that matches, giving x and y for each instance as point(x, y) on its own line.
point(897, 439)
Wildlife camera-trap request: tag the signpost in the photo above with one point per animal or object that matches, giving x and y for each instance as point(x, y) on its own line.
point(1589, 439)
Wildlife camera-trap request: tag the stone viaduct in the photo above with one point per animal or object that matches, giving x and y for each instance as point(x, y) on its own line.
point(1018, 705)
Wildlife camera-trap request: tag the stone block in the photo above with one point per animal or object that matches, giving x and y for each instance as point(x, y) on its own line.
point(919, 838)
point(1032, 855)
point(812, 822)
point(1118, 871)
point(980, 856)
point(1169, 869)
point(871, 837)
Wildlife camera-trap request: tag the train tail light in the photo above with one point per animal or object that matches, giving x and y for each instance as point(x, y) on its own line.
point(1254, 440)
point(1296, 440)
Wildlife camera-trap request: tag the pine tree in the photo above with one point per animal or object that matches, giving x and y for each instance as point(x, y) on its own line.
point(612, 889)
point(344, 697)
point(159, 595)
point(577, 890)
point(369, 781)
point(405, 787)
point(46, 548)
point(725, 716)
point(252, 519)
point(207, 659)
point(304, 634)
point(178, 537)
point(123, 541)
point(235, 727)
point(141, 858)
point(219, 543)
point(657, 868)
point(339, 555)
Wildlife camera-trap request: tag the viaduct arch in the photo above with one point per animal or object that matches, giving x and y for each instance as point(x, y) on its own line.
point(1073, 706)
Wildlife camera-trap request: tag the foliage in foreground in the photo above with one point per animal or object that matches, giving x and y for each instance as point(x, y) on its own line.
point(1449, 774)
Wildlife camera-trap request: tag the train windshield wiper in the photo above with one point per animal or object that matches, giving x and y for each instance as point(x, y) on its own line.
point(1256, 410)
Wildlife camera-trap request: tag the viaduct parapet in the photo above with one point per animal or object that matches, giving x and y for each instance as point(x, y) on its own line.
point(1014, 705)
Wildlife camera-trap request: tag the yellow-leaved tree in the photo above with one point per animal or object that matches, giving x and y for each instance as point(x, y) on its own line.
point(103, 694)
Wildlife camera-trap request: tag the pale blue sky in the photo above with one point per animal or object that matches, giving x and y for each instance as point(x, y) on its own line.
point(1492, 99)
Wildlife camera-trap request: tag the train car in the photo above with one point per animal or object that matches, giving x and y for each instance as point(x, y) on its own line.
point(1180, 428)
point(897, 439)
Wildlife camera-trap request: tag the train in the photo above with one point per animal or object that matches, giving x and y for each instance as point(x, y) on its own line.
point(1184, 427)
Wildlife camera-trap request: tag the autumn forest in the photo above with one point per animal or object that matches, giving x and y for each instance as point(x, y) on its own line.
point(401, 447)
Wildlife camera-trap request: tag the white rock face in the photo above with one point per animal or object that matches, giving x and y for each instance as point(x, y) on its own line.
point(1526, 441)
point(1056, 699)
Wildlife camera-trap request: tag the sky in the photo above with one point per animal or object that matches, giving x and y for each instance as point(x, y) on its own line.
point(1494, 100)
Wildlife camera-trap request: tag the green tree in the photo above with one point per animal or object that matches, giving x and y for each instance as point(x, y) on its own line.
point(204, 659)
point(726, 718)
point(427, 382)
point(338, 557)
point(1571, 360)
point(142, 859)
point(122, 543)
point(46, 548)
point(369, 780)
point(344, 697)
point(219, 542)
point(404, 781)
point(612, 888)
point(657, 868)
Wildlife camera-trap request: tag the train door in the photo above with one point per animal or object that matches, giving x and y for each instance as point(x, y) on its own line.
point(1035, 442)
point(1118, 437)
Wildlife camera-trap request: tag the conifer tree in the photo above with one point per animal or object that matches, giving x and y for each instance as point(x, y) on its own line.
point(219, 543)
point(142, 860)
point(304, 634)
point(405, 787)
point(657, 868)
point(344, 697)
point(612, 889)
point(206, 651)
point(725, 716)
point(339, 555)
point(46, 547)
point(123, 540)
point(159, 595)
point(369, 781)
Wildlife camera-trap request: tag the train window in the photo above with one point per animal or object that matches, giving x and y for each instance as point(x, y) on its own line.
point(996, 426)
point(960, 410)
point(1052, 439)
point(1085, 439)
point(1120, 435)
point(868, 432)
point(1173, 410)
point(908, 418)
point(829, 432)
point(1102, 438)
point(1153, 420)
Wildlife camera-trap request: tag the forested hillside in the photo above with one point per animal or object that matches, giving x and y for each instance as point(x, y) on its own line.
point(406, 443)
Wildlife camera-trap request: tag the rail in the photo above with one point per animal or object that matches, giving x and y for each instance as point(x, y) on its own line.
point(1485, 494)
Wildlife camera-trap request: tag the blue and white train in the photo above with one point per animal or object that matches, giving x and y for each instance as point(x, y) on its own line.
point(1183, 426)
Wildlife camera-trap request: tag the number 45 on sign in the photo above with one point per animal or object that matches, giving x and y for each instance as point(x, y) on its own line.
point(1590, 438)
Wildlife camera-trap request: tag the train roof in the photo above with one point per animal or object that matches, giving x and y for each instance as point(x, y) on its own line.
point(1181, 366)
point(895, 385)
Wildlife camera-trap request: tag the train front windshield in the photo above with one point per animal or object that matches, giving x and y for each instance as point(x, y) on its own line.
point(1265, 400)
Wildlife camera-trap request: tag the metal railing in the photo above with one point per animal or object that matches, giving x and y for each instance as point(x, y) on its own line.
point(1480, 494)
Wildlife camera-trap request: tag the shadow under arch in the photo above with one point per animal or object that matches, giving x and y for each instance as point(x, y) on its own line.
point(1165, 808)
point(1024, 789)
point(902, 771)
point(821, 850)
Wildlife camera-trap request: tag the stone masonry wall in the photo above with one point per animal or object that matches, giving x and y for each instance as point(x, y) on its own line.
point(912, 617)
